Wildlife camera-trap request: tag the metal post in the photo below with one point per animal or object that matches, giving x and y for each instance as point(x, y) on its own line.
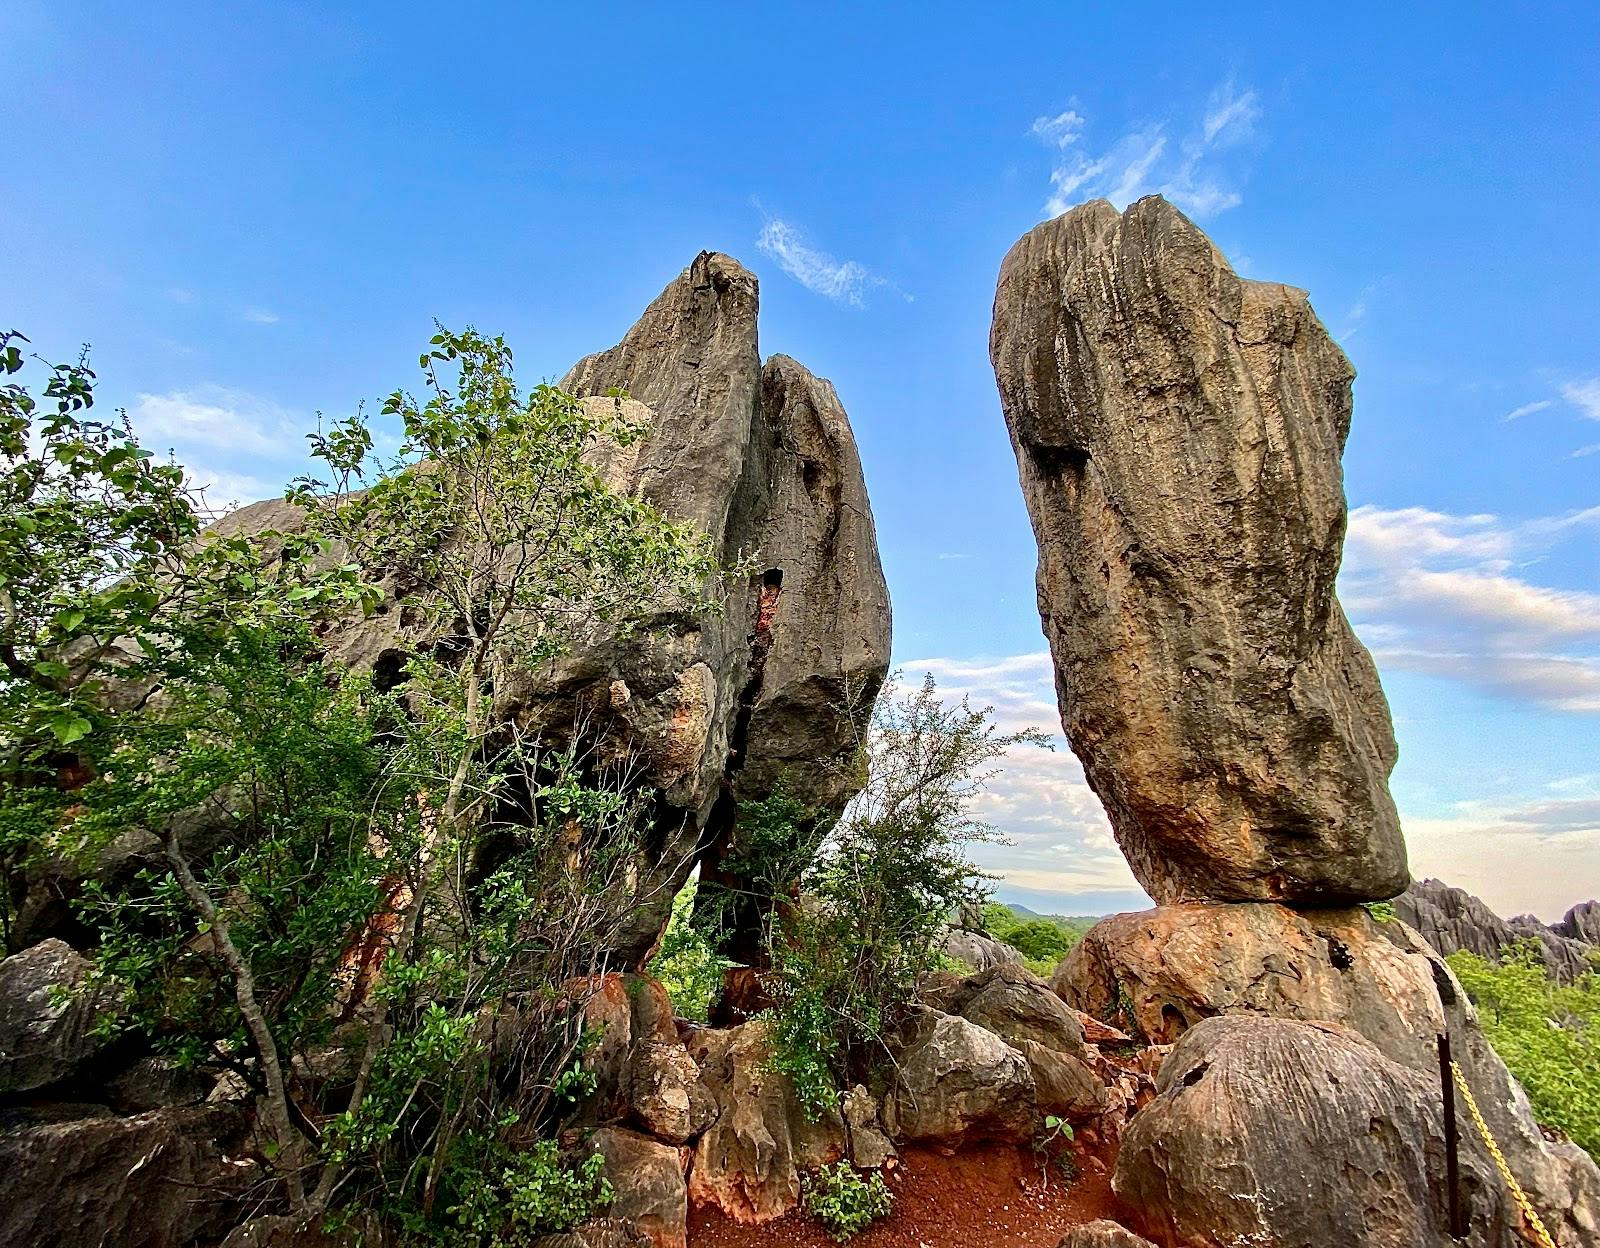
point(1452, 1143)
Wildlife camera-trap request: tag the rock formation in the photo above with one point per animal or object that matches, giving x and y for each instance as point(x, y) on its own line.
point(1178, 433)
point(1582, 922)
point(1450, 919)
point(1267, 1131)
point(719, 707)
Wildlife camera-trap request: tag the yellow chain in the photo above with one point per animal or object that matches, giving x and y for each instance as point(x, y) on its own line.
point(1517, 1194)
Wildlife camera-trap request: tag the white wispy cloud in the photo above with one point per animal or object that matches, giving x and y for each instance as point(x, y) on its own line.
point(1584, 452)
point(1145, 160)
point(214, 417)
point(844, 281)
point(260, 316)
point(1058, 840)
point(223, 490)
point(1229, 114)
point(1356, 315)
point(1584, 395)
point(1450, 596)
point(1528, 409)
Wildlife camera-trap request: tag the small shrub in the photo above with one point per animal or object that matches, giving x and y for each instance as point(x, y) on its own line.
point(510, 1199)
point(845, 1202)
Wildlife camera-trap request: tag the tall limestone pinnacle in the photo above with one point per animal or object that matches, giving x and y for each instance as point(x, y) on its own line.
point(719, 708)
point(1178, 432)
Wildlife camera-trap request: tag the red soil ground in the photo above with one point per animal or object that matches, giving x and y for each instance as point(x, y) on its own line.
point(981, 1198)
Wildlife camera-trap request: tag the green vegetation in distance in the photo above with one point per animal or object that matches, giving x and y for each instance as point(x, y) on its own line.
point(1043, 940)
point(1548, 1035)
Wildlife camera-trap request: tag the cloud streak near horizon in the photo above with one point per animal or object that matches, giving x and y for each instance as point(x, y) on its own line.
point(1448, 596)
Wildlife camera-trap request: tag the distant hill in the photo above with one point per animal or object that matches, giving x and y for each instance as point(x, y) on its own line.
point(1078, 923)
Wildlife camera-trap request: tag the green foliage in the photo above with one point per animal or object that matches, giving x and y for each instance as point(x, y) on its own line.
point(1381, 911)
point(1547, 1034)
point(391, 883)
point(499, 1197)
point(849, 957)
point(844, 1202)
point(1043, 942)
point(270, 758)
point(108, 591)
point(688, 964)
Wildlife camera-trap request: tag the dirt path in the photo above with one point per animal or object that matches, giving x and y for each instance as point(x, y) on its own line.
point(981, 1198)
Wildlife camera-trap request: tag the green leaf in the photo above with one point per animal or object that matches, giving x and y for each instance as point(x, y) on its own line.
point(69, 726)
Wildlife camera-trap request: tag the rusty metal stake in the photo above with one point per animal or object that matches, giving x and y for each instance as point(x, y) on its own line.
point(1452, 1143)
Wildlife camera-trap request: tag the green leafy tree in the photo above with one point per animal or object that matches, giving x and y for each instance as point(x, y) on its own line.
point(393, 901)
point(848, 960)
point(1547, 1034)
point(108, 590)
point(497, 513)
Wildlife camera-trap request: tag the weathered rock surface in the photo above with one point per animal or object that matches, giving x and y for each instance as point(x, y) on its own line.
point(1452, 919)
point(868, 1147)
point(665, 1094)
point(719, 706)
point(1178, 433)
point(1176, 966)
point(749, 1161)
point(1582, 922)
point(647, 1178)
point(77, 1177)
point(979, 951)
point(1102, 1234)
point(1019, 1007)
point(47, 1026)
point(1016, 1005)
point(1268, 1131)
point(958, 1083)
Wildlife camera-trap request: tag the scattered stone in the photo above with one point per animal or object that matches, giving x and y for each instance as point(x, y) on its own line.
point(665, 1093)
point(1096, 1032)
point(958, 1083)
point(1017, 1005)
point(47, 1025)
point(1178, 433)
point(868, 1147)
point(647, 1177)
point(601, 1233)
point(1102, 1234)
point(979, 950)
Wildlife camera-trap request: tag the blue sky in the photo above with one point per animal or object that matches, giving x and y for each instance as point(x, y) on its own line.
point(254, 212)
